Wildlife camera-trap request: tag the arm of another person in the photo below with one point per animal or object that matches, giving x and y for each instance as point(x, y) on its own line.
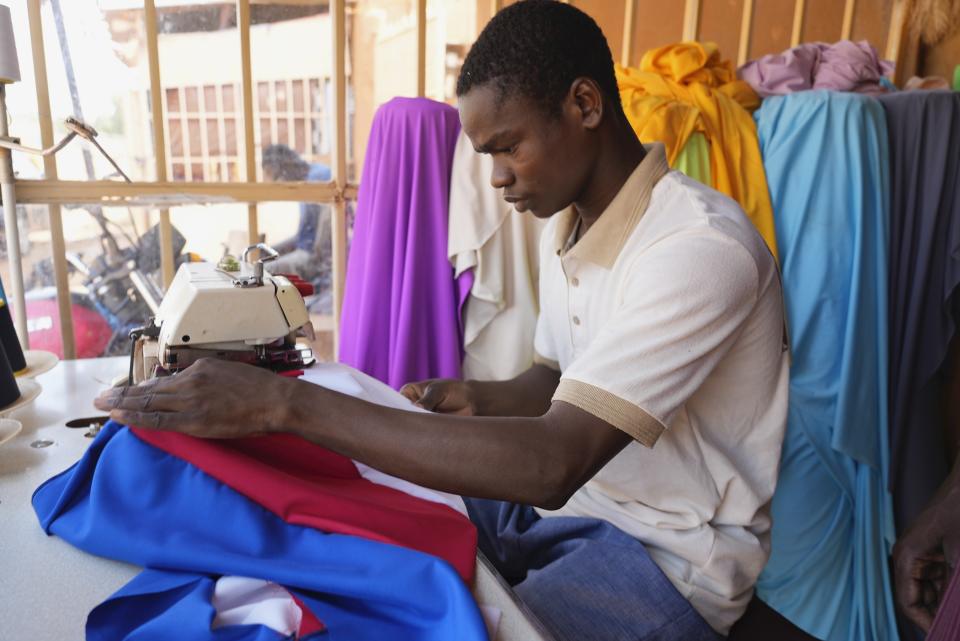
point(931, 546)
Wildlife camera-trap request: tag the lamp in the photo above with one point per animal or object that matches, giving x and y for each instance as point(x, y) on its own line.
point(10, 72)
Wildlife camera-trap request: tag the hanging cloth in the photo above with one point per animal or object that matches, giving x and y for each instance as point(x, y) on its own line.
point(502, 248)
point(827, 164)
point(843, 66)
point(402, 305)
point(694, 159)
point(924, 132)
point(683, 88)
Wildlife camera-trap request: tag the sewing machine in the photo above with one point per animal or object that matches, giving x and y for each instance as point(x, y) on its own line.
point(234, 310)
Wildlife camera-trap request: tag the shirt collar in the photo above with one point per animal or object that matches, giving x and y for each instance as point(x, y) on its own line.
point(602, 243)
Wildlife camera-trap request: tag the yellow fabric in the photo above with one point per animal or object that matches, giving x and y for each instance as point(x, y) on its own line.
point(684, 88)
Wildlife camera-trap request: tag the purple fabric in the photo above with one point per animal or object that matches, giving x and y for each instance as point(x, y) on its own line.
point(401, 307)
point(946, 625)
point(844, 66)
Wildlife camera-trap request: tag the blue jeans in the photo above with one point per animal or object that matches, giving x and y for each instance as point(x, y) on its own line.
point(585, 579)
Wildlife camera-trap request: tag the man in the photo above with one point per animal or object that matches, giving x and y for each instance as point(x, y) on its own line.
point(648, 433)
point(308, 252)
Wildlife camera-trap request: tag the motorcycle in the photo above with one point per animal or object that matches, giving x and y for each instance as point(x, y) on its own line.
point(119, 293)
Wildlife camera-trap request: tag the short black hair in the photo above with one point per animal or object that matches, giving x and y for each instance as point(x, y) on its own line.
point(284, 163)
point(537, 48)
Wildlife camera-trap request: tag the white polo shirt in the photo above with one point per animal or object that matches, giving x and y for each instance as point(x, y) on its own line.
point(666, 320)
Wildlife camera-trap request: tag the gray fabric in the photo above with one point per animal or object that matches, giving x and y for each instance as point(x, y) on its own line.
point(924, 134)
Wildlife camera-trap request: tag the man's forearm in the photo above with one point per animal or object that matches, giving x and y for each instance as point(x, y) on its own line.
point(528, 394)
point(501, 458)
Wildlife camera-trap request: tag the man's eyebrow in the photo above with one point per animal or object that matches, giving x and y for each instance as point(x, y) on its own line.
point(491, 143)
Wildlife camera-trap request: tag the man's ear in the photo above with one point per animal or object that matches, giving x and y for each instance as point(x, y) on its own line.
point(586, 99)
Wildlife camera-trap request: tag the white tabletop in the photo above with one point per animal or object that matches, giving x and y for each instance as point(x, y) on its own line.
point(48, 587)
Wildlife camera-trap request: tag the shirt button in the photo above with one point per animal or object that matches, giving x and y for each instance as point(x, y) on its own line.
point(576, 320)
point(575, 281)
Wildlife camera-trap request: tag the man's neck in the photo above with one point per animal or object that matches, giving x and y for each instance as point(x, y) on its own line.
point(611, 171)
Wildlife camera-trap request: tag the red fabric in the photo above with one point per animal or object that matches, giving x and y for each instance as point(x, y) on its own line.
point(305, 484)
point(309, 623)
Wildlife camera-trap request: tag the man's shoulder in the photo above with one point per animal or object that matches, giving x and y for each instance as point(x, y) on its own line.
point(682, 209)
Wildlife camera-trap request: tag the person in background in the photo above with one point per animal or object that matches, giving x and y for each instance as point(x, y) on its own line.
point(308, 252)
point(622, 484)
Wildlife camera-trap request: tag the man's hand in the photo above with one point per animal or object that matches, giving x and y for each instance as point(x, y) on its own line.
point(926, 555)
point(442, 395)
point(211, 398)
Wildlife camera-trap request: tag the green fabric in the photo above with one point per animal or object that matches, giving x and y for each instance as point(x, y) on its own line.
point(956, 78)
point(694, 159)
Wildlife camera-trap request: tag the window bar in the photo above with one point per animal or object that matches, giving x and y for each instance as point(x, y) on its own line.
point(626, 51)
point(159, 142)
point(243, 23)
point(848, 9)
point(691, 20)
point(165, 193)
point(746, 25)
point(339, 219)
point(799, 9)
point(898, 21)
point(421, 48)
point(58, 247)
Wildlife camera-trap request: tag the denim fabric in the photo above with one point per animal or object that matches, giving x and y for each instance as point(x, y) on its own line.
point(584, 578)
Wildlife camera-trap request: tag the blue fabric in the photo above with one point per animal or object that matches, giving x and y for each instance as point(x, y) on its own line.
point(310, 212)
point(127, 500)
point(827, 165)
point(158, 605)
point(584, 578)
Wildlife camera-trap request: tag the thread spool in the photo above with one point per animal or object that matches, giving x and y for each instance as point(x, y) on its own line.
point(9, 390)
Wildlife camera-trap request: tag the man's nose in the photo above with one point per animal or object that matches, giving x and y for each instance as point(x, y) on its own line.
point(501, 176)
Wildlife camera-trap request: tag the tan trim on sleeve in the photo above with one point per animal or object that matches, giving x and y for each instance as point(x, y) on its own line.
point(543, 360)
point(611, 408)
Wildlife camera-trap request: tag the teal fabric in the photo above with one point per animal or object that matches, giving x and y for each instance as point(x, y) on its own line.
point(827, 162)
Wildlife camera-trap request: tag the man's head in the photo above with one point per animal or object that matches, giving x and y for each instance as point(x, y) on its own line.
point(535, 90)
point(280, 163)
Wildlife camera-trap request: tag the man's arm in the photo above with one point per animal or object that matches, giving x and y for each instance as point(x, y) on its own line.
point(528, 394)
point(537, 460)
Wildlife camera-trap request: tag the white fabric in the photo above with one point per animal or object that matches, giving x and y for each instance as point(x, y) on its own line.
point(241, 600)
point(501, 246)
point(346, 380)
point(686, 325)
point(491, 619)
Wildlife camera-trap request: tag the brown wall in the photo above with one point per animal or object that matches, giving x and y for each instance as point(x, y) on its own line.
point(660, 22)
point(941, 59)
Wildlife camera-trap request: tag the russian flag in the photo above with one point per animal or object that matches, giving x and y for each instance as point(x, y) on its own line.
point(261, 538)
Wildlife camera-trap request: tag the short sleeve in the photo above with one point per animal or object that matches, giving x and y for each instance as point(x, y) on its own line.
point(683, 304)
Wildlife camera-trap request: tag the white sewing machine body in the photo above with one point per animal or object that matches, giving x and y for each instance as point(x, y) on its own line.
point(246, 315)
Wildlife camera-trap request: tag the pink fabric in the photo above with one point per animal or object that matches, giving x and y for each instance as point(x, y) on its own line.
point(946, 625)
point(843, 66)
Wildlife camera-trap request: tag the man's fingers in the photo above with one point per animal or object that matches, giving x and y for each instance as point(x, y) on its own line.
point(176, 421)
point(411, 391)
point(113, 396)
point(150, 402)
point(432, 397)
point(927, 570)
